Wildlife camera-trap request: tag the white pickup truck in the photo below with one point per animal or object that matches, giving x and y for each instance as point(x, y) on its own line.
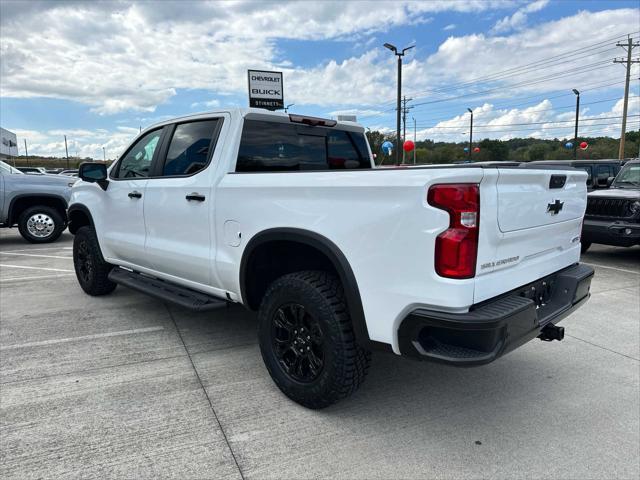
point(286, 214)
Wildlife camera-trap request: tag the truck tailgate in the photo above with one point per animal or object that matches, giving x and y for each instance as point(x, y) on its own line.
point(532, 229)
point(533, 198)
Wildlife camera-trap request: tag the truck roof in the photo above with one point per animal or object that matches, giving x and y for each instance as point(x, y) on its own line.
point(243, 112)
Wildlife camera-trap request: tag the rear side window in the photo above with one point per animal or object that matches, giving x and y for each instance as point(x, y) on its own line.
point(280, 147)
point(189, 148)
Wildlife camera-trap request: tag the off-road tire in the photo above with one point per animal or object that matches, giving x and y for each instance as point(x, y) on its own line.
point(42, 211)
point(584, 246)
point(345, 362)
point(91, 269)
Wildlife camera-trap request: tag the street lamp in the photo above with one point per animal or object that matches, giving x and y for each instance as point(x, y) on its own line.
point(470, 133)
point(575, 136)
point(286, 109)
point(399, 55)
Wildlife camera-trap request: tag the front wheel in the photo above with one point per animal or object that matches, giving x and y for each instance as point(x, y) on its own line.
point(41, 224)
point(91, 269)
point(307, 340)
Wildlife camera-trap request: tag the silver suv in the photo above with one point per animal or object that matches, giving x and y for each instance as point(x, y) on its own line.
point(37, 204)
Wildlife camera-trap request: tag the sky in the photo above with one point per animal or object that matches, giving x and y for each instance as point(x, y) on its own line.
point(97, 72)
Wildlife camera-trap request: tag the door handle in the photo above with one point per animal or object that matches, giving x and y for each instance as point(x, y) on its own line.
point(196, 197)
point(135, 194)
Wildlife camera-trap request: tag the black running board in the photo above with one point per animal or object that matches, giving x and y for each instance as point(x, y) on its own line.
point(166, 291)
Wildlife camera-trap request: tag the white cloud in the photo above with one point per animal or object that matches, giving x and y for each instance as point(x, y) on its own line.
point(543, 122)
point(519, 19)
point(119, 56)
point(451, 26)
point(209, 104)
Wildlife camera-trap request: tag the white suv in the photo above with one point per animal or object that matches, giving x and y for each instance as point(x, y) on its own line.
point(286, 214)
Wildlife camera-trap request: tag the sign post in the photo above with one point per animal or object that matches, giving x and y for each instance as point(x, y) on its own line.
point(265, 89)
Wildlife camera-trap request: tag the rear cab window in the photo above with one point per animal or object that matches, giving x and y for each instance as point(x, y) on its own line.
point(267, 146)
point(190, 148)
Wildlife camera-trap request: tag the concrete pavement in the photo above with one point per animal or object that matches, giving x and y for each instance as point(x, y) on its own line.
point(124, 386)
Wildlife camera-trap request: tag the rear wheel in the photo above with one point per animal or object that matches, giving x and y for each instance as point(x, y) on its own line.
point(584, 246)
point(41, 224)
point(307, 340)
point(91, 269)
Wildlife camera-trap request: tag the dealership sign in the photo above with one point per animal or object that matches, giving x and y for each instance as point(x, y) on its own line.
point(265, 89)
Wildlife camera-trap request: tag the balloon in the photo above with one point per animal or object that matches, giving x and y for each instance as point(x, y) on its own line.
point(476, 149)
point(466, 149)
point(568, 145)
point(408, 146)
point(584, 145)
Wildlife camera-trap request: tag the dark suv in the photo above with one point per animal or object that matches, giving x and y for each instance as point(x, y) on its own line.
point(598, 171)
point(613, 215)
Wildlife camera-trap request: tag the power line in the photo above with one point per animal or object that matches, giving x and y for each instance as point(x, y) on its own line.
point(536, 64)
point(538, 123)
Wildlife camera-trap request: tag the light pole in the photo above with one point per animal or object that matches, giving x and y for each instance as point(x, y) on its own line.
point(104, 155)
point(470, 132)
point(575, 135)
point(286, 109)
point(414, 140)
point(399, 55)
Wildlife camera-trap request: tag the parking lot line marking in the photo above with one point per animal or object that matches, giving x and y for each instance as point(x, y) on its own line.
point(611, 268)
point(34, 255)
point(35, 268)
point(83, 337)
point(36, 277)
point(37, 249)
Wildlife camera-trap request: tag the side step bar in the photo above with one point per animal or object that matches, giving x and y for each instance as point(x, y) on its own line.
point(166, 291)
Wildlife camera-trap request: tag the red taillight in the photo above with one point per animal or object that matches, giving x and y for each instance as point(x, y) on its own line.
point(457, 247)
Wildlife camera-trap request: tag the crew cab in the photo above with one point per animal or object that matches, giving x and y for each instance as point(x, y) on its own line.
point(613, 215)
point(36, 203)
point(286, 215)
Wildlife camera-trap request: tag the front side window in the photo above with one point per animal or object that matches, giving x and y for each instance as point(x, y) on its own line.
point(137, 162)
point(189, 148)
point(629, 176)
point(280, 147)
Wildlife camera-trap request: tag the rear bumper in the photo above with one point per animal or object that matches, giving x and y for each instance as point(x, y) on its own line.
point(497, 326)
point(607, 232)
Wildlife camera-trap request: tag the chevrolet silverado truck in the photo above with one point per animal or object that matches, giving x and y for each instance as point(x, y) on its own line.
point(286, 215)
point(613, 215)
point(36, 203)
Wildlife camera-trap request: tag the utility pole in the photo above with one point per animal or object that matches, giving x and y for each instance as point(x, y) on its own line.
point(399, 55)
point(405, 109)
point(26, 152)
point(470, 133)
point(414, 140)
point(66, 150)
point(104, 155)
point(575, 134)
point(629, 46)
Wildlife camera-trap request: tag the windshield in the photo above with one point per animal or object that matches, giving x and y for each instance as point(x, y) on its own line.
point(629, 176)
point(5, 168)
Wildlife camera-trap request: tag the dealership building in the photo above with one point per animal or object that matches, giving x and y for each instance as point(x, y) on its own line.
point(9, 144)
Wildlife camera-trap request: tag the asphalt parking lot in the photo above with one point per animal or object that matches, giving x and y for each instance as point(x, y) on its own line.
point(125, 386)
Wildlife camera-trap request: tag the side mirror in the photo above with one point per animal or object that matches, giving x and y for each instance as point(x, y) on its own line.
point(94, 173)
point(610, 181)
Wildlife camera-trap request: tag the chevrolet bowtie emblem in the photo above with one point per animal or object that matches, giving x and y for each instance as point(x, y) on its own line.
point(555, 207)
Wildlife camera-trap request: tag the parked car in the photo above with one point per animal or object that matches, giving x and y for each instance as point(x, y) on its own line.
point(598, 171)
point(613, 215)
point(285, 214)
point(70, 173)
point(37, 204)
point(35, 170)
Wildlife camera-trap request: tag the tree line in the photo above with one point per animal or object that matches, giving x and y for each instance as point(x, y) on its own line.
point(515, 149)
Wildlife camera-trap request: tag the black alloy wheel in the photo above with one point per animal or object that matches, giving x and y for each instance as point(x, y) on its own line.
point(298, 342)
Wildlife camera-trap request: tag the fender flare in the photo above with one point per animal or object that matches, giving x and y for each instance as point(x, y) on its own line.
point(337, 259)
point(79, 207)
point(12, 221)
